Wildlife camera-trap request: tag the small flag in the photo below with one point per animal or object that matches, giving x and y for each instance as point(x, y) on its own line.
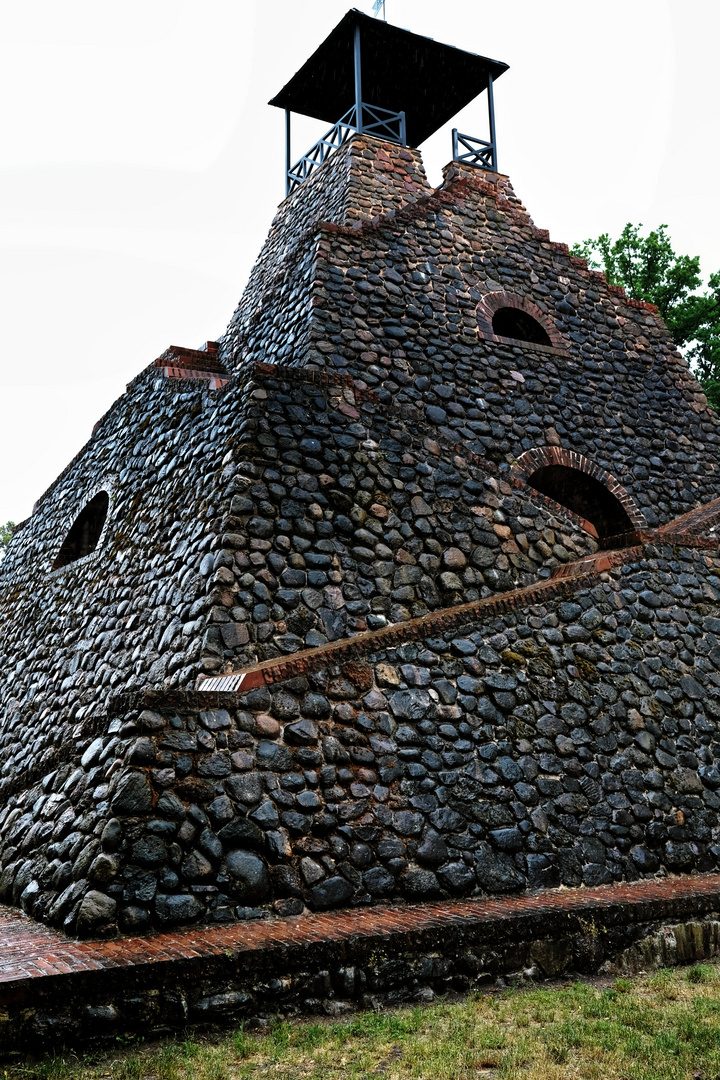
point(378, 7)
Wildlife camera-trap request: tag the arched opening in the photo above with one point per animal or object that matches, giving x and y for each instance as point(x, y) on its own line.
point(512, 322)
point(84, 532)
point(585, 496)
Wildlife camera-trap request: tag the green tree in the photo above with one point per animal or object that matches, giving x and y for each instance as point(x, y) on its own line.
point(6, 532)
point(649, 269)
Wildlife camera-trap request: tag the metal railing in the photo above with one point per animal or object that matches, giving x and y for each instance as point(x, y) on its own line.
point(477, 152)
point(383, 123)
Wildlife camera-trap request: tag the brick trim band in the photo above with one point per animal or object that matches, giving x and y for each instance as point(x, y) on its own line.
point(262, 966)
point(564, 582)
point(701, 519)
point(541, 456)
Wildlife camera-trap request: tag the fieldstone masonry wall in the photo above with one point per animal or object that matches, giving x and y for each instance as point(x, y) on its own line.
point(351, 459)
point(571, 742)
point(363, 180)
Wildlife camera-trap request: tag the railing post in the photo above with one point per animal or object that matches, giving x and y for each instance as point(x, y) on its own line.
point(358, 82)
point(491, 117)
point(403, 129)
point(288, 154)
point(456, 149)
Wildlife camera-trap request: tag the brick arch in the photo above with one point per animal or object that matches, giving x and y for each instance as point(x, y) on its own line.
point(492, 302)
point(601, 500)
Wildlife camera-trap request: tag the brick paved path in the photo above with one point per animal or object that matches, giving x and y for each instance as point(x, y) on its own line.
point(29, 950)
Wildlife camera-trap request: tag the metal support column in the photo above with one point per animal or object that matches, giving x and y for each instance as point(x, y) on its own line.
point(358, 84)
point(491, 117)
point(288, 153)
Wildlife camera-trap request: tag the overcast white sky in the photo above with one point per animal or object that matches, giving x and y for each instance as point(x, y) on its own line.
point(140, 167)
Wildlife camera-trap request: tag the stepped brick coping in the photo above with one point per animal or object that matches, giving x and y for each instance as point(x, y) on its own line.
point(213, 378)
point(30, 950)
point(566, 579)
point(456, 183)
point(206, 359)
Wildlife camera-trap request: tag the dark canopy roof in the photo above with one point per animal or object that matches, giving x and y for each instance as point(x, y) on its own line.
point(431, 82)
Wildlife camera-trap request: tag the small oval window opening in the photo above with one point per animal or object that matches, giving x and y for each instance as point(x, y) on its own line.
point(85, 531)
point(510, 322)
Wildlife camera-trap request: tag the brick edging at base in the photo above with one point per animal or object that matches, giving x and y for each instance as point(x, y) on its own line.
point(54, 990)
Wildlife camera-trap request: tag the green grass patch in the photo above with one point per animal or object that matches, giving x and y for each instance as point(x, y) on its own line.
point(665, 1026)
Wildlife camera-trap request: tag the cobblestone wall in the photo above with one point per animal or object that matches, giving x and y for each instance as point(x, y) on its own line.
point(397, 302)
point(132, 612)
point(348, 519)
point(363, 179)
point(369, 479)
point(572, 742)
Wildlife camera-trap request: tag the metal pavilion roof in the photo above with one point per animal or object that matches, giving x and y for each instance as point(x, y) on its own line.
point(401, 71)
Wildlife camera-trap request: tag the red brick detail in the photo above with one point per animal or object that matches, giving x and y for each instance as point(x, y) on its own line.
point(540, 456)
point(457, 184)
point(642, 305)
point(436, 199)
point(695, 521)
point(565, 580)
point(595, 564)
point(32, 951)
point(214, 379)
point(639, 305)
point(492, 302)
point(177, 356)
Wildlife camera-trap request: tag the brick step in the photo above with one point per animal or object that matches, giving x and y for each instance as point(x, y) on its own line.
point(55, 990)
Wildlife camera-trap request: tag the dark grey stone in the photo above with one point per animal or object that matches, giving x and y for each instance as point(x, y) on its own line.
point(246, 788)
point(132, 796)
point(174, 910)
point(303, 733)
point(410, 704)
point(496, 873)
point(331, 893)
point(420, 885)
point(378, 881)
point(96, 911)
point(248, 876)
point(243, 832)
point(456, 877)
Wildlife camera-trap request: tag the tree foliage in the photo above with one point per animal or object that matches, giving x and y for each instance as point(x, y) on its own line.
point(649, 269)
point(6, 532)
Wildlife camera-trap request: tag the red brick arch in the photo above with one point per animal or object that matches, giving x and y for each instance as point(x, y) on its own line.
point(492, 302)
point(529, 463)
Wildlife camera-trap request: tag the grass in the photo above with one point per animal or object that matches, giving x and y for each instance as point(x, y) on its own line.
point(665, 1026)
